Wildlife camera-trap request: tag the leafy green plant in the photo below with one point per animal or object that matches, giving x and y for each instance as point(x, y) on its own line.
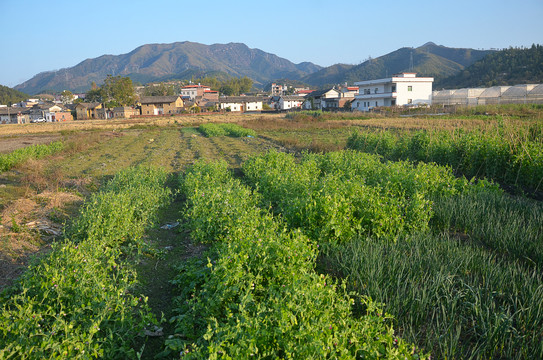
point(258, 295)
point(227, 129)
point(16, 157)
point(76, 302)
point(336, 196)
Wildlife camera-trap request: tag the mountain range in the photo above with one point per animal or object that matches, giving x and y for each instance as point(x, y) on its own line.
point(185, 60)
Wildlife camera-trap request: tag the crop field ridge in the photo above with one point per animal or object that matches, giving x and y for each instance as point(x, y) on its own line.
point(311, 235)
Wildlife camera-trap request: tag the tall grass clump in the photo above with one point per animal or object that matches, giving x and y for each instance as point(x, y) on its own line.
point(451, 297)
point(76, 302)
point(508, 225)
point(259, 296)
point(16, 157)
point(509, 156)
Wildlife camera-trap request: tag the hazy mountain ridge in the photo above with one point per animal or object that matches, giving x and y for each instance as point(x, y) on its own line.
point(185, 60)
point(427, 60)
point(153, 62)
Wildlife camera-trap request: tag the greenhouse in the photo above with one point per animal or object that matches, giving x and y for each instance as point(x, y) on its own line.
point(518, 94)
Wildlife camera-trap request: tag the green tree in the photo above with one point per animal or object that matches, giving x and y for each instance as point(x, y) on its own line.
point(159, 90)
point(66, 97)
point(94, 95)
point(245, 84)
point(118, 91)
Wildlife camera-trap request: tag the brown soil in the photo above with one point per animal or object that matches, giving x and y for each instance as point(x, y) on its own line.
point(8, 144)
point(27, 226)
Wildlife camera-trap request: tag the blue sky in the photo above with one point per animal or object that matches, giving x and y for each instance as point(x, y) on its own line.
point(39, 36)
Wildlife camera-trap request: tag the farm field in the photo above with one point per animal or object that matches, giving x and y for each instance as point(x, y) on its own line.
point(265, 238)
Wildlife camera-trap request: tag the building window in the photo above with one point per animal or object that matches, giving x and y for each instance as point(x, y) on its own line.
point(410, 88)
point(376, 104)
point(376, 90)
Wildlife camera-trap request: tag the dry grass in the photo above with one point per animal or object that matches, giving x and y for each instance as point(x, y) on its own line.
point(80, 125)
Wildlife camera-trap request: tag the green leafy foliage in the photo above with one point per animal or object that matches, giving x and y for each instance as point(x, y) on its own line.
point(118, 91)
point(259, 295)
point(336, 196)
point(226, 129)
point(16, 157)
point(76, 302)
point(505, 158)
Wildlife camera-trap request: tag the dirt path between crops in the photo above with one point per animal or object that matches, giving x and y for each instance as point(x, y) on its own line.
point(174, 246)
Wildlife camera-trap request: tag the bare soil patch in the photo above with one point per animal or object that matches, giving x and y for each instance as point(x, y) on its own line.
point(8, 144)
point(27, 227)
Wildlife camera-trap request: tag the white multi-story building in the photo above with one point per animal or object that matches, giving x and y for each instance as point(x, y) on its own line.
point(400, 89)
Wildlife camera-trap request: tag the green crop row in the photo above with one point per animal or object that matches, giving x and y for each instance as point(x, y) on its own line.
point(259, 296)
point(16, 157)
point(449, 295)
point(227, 129)
point(512, 226)
point(76, 302)
point(336, 196)
point(504, 158)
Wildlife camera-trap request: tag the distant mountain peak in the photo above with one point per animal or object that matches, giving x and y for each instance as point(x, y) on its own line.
point(430, 43)
point(179, 60)
point(428, 60)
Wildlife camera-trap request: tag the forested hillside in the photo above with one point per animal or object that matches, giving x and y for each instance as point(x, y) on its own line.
point(427, 60)
point(506, 67)
point(9, 96)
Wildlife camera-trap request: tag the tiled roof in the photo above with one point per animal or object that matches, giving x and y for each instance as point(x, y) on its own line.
point(158, 99)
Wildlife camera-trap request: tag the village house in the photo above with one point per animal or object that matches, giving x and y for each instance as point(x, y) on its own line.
point(241, 103)
point(104, 113)
point(11, 115)
point(161, 105)
point(288, 102)
point(59, 116)
point(278, 90)
point(337, 103)
point(191, 92)
point(403, 89)
point(303, 92)
point(316, 100)
point(49, 112)
point(349, 91)
point(125, 112)
point(85, 111)
point(208, 96)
